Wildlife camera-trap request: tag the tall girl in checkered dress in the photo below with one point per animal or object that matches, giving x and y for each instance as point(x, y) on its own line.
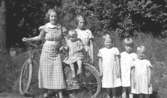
point(50, 75)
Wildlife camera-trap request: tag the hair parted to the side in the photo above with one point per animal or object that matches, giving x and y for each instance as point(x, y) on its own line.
point(107, 36)
point(78, 17)
point(48, 13)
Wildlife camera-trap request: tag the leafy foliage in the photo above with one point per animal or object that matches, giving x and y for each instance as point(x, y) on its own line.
point(24, 16)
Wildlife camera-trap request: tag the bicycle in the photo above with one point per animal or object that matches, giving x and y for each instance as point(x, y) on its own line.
point(89, 80)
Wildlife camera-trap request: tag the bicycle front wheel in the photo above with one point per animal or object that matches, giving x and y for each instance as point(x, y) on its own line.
point(25, 77)
point(90, 80)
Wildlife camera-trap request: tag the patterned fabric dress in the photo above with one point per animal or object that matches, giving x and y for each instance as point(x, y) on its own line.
point(50, 71)
point(75, 51)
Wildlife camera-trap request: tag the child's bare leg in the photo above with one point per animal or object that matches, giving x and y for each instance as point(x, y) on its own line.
point(147, 96)
point(114, 92)
point(140, 96)
point(130, 95)
point(79, 63)
point(108, 93)
point(60, 94)
point(124, 92)
point(72, 70)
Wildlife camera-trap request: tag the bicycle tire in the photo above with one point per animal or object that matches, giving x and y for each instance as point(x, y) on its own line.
point(27, 64)
point(95, 73)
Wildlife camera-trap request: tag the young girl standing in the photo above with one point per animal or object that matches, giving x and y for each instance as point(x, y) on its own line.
point(141, 75)
point(127, 59)
point(85, 35)
point(109, 66)
point(50, 75)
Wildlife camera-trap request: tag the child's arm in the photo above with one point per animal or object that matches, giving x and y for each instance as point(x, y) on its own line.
point(100, 67)
point(117, 58)
point(90, 37)
point(132, 75)
point(100, 63)
point(149, 75)
point(91, 50)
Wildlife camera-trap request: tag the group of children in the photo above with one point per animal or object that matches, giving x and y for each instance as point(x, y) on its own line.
point(129, 70)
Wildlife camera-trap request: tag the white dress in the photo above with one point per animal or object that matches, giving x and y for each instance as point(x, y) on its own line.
point(85, 36)
point(109, 66)
point(127, 60)
point(141, 78)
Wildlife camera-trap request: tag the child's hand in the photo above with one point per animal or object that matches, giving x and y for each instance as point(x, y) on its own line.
point(86, 48)
point(61, 48)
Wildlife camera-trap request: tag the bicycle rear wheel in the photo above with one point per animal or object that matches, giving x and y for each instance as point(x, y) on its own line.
point(25, 77)
point(90, 80)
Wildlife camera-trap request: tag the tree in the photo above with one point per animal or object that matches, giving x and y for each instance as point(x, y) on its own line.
point(2, 25)
point(25, 16)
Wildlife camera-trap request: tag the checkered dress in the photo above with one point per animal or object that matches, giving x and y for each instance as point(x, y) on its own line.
point(75, 52)
point(50, 71)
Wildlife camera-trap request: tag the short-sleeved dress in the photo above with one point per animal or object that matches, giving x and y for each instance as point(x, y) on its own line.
point(75, 51)
point(127, 60)
point(109, 66)
point(50, 74)
point(141, 79)
point(85, 36)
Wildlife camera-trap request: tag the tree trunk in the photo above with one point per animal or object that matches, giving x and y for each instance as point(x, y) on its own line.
point(2, 25)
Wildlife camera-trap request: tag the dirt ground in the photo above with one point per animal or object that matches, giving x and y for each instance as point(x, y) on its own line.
point(14, 95)
point(11, 95)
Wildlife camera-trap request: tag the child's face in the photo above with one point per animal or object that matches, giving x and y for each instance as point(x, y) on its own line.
point(108, 45)
point(53, 17)
point(140, 52)
point(140, 55)
point(81, 22)
point(73, 36)
point(128, 48)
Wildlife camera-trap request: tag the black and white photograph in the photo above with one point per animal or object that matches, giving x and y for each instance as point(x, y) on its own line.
point(83, 48)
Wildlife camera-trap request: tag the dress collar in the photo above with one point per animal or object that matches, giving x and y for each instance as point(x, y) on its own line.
point(49, 25)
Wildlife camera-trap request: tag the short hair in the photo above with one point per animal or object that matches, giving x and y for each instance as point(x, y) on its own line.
point(48, 13)
point(141, 48)
point(128, 41)
point(107, 36)
point(77, 19)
